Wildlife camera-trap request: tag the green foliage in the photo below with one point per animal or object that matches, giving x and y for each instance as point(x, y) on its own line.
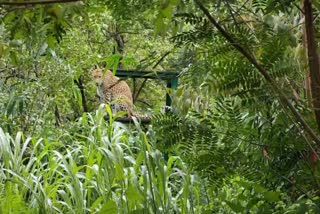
point(48, 21)
point(228, 146)
point(268, 6)
point(101, 168)
point(228, 143)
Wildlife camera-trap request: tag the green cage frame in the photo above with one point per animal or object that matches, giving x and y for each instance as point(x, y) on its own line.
point(171, 79)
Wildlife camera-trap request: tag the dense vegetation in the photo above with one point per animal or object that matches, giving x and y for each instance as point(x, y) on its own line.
point(242, 135)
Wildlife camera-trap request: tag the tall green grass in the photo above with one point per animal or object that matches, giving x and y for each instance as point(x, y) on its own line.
point(102, 167)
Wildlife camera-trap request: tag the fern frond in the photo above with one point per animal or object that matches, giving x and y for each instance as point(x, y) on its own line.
point(258, 5)
point(198, 141)
point(189, 18)
point(202, 30)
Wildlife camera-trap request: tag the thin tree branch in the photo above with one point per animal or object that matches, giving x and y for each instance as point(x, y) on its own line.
point(161, 59)
point(242, 6)
point(299, 8)
point(262, 71)
point(315, 17)
point(134, 89)
point(145, 103)
point(135, 97)
point(231, 13)
point(80, 85)
point(36, 2)
point(57, 115)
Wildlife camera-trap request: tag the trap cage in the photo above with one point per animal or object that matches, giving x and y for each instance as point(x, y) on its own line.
point(171, 79)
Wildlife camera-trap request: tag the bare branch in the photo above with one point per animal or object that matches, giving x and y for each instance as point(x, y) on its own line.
point(37, 2)
point(299, 8)
point(135, 97)
point(161, 59)
point(79, 83)
point(139, 90)
point(145, 103)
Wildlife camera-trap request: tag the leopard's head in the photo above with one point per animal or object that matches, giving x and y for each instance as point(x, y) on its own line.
point(97, 75)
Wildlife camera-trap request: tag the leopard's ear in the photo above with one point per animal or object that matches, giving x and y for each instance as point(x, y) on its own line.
point(94, 68)
point(103, 64)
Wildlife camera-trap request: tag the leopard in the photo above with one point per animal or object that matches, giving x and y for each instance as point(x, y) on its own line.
point(113, 91)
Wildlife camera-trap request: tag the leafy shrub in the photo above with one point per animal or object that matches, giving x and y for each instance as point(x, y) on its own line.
point(102, 168)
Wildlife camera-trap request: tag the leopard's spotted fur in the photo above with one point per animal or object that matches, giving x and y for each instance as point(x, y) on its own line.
point(111, 89)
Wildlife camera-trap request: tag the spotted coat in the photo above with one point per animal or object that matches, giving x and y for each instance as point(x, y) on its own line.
point(113, 91)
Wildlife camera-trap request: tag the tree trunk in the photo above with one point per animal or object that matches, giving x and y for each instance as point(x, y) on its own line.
point(313, 58)
point(307, 82)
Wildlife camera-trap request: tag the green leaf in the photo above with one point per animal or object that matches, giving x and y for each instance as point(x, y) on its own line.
point(13, 57)
point(272, 196)
point(10, 106)
point(113, 62)
point(95, 204)
point(2, 48)
point(134, 197)
point(167, 12)
point(51, 41)
point(236, 207)
point(110, 207)
point(159, 25)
